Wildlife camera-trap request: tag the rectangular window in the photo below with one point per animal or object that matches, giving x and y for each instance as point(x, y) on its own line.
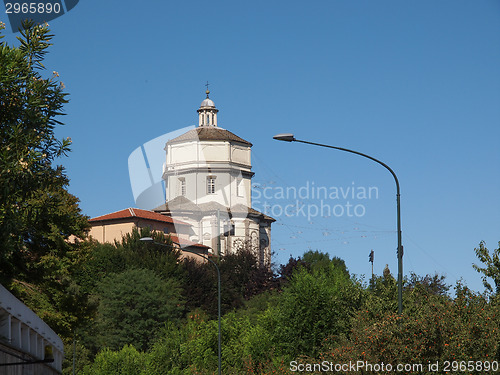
point(240, 187)
point(182, 186)
point(210, 185)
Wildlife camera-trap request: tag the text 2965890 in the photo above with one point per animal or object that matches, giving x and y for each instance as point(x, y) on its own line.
point(32, 8)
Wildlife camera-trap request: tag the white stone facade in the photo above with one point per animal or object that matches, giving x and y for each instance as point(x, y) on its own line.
point(207, 176)
point(190, 163)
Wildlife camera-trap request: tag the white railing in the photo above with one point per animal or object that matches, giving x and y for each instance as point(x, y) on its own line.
point(22, 329)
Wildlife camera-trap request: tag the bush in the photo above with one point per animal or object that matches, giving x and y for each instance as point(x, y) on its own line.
point(127, 361)
point(433, 328)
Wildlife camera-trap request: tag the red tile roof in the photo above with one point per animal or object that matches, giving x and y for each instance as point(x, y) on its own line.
point(137, 213)
point(188, 243)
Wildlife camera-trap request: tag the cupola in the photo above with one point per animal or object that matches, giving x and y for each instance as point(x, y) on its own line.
point(207, 113)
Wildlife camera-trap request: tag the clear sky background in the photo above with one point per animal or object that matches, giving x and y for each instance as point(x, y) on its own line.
point(415, 84)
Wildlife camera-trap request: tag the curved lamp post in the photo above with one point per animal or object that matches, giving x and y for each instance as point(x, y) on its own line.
point(149, 239)
point(287, 137)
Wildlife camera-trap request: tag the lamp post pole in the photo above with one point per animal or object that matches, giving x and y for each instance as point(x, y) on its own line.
point(149, 239)
point(290, 138)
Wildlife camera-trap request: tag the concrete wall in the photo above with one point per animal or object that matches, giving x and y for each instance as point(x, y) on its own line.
point(24, 336)
point(10, 355)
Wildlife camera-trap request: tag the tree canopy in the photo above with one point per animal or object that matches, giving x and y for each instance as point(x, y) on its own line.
point(37, 214)
point(491, 267)
point(134, 305)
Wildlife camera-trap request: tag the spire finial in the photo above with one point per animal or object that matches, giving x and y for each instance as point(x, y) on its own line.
point(208, 91)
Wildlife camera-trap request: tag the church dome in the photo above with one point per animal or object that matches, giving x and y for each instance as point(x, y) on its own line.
point(207, 103)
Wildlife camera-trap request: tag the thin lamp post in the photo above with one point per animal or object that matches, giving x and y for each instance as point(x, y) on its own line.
point(287, 137)
point(149, 239)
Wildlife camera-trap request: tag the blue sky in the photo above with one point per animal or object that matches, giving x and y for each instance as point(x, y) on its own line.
point(415, 84)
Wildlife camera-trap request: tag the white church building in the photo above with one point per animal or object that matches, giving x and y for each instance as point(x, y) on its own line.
point(207, 175)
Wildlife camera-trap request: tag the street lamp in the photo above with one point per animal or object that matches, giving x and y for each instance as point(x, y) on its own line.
point(149, 239)
point(287, 137)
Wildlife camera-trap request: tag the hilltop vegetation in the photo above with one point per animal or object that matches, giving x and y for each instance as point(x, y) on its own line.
point(317, 313)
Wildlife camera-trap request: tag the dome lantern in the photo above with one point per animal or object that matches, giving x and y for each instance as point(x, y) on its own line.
point(207, 113)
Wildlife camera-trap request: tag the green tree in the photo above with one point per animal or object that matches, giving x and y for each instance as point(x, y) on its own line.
point(130, 252)
point(36, 212)
point(39, 218)
point(166, 355)
point(285, 271)
point(382, 296)
point(319, 260)
point(491, 267)
point(134, 305)
point(432, 328)
point(241, 278)
point(192, 347)
point(164, 260)
point(313, 306)
point(55, 295)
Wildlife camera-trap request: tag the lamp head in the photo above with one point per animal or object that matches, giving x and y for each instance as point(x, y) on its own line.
point(146, 239)
point(287, 137)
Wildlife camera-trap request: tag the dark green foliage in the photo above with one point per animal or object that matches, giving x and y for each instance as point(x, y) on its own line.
point(200, 286)
point(131, 252)
point(311, 260)
point(56, 296)
point(133, 306)
point(433, 284)
point(321, 314)
point(192, 348)
point(286, 271)
point(82, 356)
point(241, 278)
point(258, 304)
point(313, 305)
point(128, 256)
point(164, 260)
